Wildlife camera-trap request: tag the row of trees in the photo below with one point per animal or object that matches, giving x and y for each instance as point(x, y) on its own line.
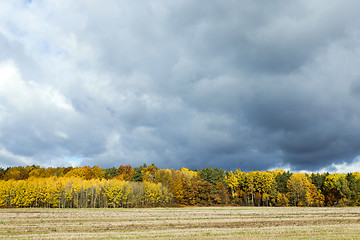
point(80, 193)
point(33, 186)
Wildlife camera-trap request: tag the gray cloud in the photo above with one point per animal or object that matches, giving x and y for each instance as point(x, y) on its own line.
point(180, 84)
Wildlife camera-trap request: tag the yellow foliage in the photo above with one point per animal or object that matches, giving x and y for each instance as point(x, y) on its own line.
point(189, 173)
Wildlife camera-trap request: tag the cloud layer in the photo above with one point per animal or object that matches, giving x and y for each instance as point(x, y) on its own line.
point(230, 84)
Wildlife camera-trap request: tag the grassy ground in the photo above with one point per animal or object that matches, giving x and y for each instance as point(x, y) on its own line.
point(181, 223)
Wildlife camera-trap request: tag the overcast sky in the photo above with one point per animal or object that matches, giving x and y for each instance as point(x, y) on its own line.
point(246, 84)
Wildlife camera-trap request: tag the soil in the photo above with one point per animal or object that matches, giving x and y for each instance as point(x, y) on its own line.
point(181, 223)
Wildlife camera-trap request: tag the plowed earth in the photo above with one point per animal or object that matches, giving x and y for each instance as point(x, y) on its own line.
point(181, 223)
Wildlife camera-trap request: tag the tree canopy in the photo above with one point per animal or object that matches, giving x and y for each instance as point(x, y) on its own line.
point(125, 186)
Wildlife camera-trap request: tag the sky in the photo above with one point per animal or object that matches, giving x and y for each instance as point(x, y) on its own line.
point(255, 85)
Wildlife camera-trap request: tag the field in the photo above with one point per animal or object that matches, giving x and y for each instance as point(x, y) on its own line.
point(181, 223)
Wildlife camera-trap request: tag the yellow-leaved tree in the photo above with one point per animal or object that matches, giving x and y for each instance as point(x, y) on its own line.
point(301, 191)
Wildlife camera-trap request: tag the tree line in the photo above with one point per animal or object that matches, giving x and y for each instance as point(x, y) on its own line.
point(125, 186)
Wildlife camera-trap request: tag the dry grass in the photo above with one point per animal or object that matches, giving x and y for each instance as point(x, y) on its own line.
point(181, 223)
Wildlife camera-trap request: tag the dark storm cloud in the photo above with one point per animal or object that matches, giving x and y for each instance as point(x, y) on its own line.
point(231, 84)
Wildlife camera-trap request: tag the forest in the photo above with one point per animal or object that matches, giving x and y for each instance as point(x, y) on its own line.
point(149, 186)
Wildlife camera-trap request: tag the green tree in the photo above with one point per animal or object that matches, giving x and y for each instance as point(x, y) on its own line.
point(2, 173)
point(110, 173)
point(212, 175)
point(282, 179)
point(354, 187)
point(318, 179)
point(138, 176)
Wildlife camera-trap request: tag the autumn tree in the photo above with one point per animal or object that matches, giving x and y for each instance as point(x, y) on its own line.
point(249, 188)
point(203, 189)
point(336, 189)
point(125, 172)
point(17, 173)
point(301, 191)
point(148, 173)
point(234, 180)
point(267, 188)
point(86, 172)
point(281, 200)
point(221, 195)
point(163, 176)
point(176, 186)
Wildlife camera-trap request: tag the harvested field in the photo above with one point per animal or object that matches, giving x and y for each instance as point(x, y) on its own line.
point(181, 223)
